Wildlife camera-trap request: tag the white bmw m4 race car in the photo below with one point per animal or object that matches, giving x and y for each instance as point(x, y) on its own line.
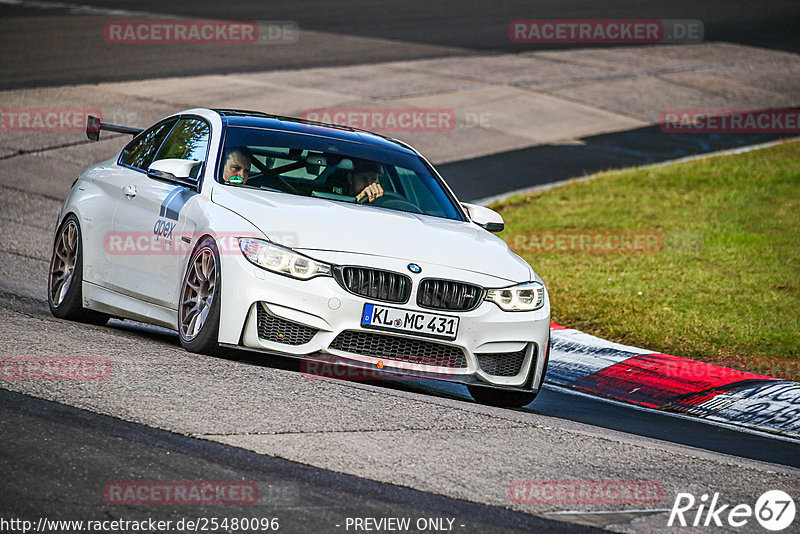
point(300, 239)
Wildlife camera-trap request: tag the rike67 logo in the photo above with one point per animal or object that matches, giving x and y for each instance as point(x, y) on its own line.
point(774, 510)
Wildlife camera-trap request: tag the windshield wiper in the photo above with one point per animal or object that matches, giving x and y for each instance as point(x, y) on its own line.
point(266, 188)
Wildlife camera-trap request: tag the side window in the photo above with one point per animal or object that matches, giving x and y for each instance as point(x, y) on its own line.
point(140, 152)
point(187, 140)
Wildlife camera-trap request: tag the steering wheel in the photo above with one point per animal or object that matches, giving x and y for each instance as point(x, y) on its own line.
point(392, 200)
point(390, 194)
point(272, 181)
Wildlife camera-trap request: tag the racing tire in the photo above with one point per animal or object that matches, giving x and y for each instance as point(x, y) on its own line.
point(501, 397)
point(198, 307)
point(65, 277)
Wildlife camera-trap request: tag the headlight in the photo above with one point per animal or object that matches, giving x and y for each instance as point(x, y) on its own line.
point(282, 260)
point(524, 297)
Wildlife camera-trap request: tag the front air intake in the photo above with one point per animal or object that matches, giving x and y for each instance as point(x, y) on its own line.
point(502, 363)
point(277, 330)
point(400, 349)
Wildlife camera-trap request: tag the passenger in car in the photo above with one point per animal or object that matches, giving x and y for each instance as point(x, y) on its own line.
point(236, 166)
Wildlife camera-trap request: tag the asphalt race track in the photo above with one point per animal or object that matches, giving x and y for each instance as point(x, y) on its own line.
point(347, 33)
point(550, 163)
point(61, 457)
point(323, 452)
point(304, 498)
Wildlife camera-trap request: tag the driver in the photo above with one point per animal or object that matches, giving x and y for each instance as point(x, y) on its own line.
point(236, 169)
point(363, 180)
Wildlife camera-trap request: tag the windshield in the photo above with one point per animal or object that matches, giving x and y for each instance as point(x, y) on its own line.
point(332, 169)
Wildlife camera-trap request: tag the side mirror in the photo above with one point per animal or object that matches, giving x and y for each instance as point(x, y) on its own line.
point(174, 170)
point(487, 219)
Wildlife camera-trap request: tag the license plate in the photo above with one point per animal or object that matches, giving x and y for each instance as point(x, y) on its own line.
point(399, 320)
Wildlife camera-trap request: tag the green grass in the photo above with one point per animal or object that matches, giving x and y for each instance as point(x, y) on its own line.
point(725, 286)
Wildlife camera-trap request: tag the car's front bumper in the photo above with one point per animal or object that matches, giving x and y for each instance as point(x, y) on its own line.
point(326, 309)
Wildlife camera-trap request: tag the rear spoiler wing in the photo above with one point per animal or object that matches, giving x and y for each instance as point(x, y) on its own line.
point(93, 127)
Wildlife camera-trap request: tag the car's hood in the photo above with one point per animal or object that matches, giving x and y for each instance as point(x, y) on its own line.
point(317, 224)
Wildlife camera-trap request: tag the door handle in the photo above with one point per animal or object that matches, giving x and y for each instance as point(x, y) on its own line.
point(130, 191)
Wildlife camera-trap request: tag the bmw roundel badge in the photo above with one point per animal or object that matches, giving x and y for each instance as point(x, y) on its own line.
point(414, 268)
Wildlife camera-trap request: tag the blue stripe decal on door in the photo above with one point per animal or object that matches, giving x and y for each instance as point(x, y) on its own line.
point(177, 203)
point(169, 198)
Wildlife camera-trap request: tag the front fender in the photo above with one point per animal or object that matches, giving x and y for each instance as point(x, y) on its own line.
point(225, 227)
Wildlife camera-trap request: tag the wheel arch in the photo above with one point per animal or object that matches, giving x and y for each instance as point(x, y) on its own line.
point(236, 273)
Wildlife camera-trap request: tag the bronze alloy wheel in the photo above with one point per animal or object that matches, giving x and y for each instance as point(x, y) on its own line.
point(64, 284)
point(197, 295)
point(62, 266)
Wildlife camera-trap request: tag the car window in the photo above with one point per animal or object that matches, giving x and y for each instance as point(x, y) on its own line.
point(421, 192)
point(187, 140)
point(140, 152)
point(335, 170)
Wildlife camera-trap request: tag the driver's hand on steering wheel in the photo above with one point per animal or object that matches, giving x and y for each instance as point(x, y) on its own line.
point(372, 191)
